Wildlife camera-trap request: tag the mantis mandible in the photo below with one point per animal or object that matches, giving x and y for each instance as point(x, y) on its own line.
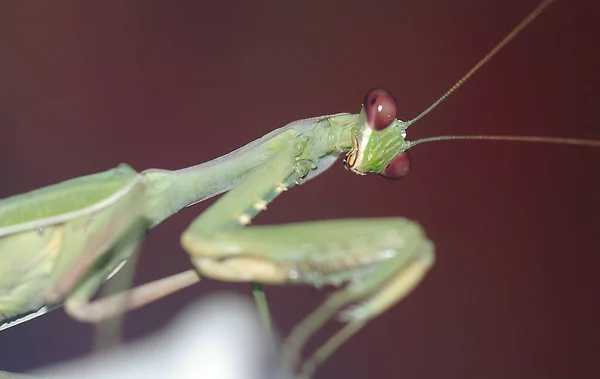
point(154, 191)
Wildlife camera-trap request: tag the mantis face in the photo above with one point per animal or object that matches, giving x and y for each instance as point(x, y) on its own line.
point(378, 145)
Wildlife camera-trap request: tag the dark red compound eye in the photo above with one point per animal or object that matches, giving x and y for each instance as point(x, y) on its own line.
point(398, 167)
point(380, 108)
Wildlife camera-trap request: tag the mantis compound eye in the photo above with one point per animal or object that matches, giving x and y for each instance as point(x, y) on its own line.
point(398, 167)
point(380, 108)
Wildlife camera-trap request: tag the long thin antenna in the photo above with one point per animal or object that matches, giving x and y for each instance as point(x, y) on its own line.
point(557, 140)
point(536, 12)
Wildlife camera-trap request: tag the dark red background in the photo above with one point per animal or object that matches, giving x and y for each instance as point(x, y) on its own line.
point(514, 292)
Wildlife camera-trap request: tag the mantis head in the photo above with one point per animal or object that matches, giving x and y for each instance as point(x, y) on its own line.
point(378, 145)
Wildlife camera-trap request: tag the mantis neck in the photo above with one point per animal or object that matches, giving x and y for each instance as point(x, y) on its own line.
point(167, 191)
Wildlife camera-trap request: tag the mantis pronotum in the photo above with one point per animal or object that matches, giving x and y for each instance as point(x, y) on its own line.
point(426, 132)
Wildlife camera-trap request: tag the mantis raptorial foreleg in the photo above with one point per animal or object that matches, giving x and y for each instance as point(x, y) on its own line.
point(390, 280)
point(383, 259)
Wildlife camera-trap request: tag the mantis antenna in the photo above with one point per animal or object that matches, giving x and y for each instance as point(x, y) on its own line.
point(539, 139)
point(509, 37)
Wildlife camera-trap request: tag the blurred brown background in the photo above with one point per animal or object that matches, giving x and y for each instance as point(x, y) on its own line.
point(514, 292)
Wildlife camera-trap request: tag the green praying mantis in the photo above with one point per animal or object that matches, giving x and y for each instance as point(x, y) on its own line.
point(74, 235)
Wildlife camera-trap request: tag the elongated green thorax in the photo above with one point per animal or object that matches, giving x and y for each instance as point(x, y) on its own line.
point(318, 142)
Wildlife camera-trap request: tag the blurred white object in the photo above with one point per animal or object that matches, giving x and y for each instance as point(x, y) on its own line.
point(217, 338)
